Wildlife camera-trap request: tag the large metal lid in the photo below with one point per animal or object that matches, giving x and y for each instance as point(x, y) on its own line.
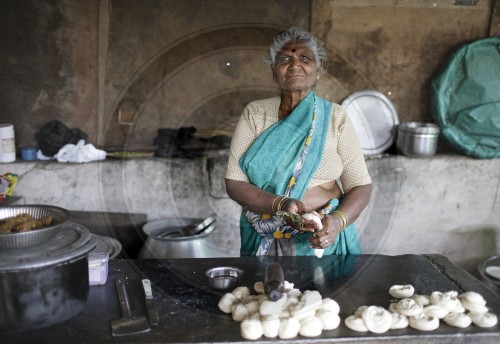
point(419, 128)
point(374, 119)
point(73, 241)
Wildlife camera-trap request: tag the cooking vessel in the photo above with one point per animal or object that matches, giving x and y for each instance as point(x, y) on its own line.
point(163, 240)
point(417, 139)
point(45, 284)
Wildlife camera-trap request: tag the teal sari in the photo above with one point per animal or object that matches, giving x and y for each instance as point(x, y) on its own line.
point(292, 147)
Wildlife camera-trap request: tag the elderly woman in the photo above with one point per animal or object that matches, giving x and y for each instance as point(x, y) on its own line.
point(286, 156)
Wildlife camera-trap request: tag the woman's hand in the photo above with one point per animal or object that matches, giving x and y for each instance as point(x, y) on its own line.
point(294, 206)
point(327, 236)
point(352, 205)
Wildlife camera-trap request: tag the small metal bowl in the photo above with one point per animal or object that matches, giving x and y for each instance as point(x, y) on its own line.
point(35, 236)
point(223, 277)
point(490, 270)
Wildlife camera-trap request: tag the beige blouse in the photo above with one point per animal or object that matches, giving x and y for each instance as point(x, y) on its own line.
point(342, 158)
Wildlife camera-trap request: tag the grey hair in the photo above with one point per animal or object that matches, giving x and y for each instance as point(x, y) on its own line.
point(296, 34)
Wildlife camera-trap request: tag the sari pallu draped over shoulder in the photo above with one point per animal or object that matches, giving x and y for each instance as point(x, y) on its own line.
point(269, 164)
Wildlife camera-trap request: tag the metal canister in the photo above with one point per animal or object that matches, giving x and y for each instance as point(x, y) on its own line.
point(417, 139)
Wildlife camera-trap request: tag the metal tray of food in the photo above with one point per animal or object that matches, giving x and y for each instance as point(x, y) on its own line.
point(22, 233)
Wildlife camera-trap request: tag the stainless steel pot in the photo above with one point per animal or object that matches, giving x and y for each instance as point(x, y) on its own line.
point(45, 284)
point(163, 240)
point(417, 139)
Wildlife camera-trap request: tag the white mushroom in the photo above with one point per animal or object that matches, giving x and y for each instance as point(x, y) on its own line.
point(251, 329)
point(290, 301)
point(289, 328)
point(329, 319)
point(409, 307)
point(424, 300)
point(423, 322)
point(399, 321)
point(393, 307)
point(484, 319)
point(311, 327)
point(473, 302)
point(448, 300)
point(401, 291)
point(270, 326)
point(248, 298)
point(360, 310)
point(309, 303)
point(435, 311)
point(313, 217)
point(311, 298)
point(239, 312)
point(252, 307)
point(240, 292)
point(472, 296)
point(226, 302)
point(461, 320)
point(377, 319)
point(355, 323)
point(301, 311)
point(294, 293)
point(329, 304)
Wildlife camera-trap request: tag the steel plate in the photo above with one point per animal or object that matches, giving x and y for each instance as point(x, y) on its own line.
point(374, 118)
point(70, 243)
point(107, 245)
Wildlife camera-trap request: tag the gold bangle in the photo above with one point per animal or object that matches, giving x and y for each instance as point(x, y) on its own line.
point(343, 218)
point(283, 200)
point(272, 206)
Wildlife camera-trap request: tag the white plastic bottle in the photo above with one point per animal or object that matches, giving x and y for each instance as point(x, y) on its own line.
point(7, 143)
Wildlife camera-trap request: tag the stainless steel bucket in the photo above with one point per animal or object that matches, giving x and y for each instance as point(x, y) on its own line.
point(417, 139)
point(163, 240)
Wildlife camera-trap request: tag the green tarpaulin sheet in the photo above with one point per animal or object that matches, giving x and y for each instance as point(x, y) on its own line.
point(465, 99)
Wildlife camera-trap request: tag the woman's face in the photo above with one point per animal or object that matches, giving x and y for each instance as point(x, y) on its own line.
point(295, 68)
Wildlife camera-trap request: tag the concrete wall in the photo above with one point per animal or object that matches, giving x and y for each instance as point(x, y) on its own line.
point(447, 204)
point(170, 63)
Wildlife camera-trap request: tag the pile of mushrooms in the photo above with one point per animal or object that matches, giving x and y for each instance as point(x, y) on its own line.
point(423, 312)
point(308, 314)
point(295, 313)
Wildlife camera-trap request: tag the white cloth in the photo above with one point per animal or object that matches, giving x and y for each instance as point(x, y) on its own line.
point(40, 156)
point(80, 153)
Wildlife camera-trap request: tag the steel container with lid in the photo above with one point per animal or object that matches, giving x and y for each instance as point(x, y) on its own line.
point(166, 240)
point(417, 139)
point(45, 284)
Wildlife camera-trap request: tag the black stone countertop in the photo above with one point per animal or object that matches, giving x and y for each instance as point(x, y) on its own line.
point(188, 307)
